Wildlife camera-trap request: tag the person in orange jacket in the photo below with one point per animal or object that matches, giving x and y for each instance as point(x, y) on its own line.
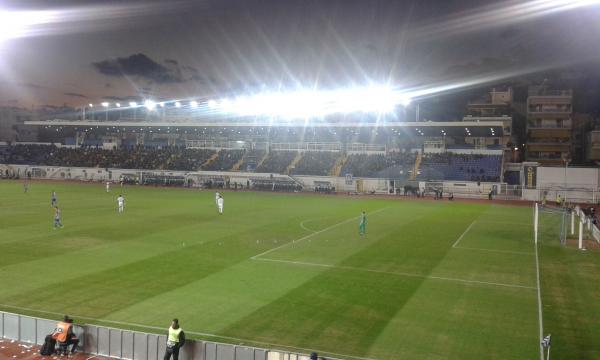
point(64, 336)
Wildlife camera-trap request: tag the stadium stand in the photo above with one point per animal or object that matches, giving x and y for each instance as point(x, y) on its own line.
point(225, 160)
point(277, 162)
point(169, 158)
point(364, 165)
point(251, 160)
point(316, 163)
point(461, 167)
point(444, 166)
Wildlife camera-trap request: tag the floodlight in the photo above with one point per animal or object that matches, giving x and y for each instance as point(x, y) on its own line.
point(15, 24)
point(149, 104)
point(177, 104)
point(132, 104)
point(212, 104)
point(105, 104)
point(194, 104)
point(118, 105)
point(405, 100)
point(161, 104)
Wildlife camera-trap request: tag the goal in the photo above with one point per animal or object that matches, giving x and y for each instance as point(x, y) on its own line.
point(550, 225)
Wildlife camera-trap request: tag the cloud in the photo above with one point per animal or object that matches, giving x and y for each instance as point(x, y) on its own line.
point(123, 99)
point(78, 95)
point(142, 66)
point(484, 65)
point(23, 84)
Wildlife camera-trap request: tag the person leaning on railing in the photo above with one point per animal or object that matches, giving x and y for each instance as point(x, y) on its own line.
point(175, 340)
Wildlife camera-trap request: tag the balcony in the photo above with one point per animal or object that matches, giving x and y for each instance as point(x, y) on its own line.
point(542, 91)
point(548, 147)
point(565, 125)
point(549, 110)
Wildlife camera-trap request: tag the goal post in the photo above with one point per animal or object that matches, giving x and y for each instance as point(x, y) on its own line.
point(557, 225)
point(550, 225)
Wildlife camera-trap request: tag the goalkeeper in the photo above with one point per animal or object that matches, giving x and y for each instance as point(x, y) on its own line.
point(362, 226)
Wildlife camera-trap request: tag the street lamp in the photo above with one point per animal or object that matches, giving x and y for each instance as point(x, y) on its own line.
point(83, 109)
point(133, 105)
point(105, 106)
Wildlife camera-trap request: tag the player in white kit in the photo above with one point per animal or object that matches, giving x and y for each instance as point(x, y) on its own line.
point(107, 186)
point(121, 203)
point(220, 204)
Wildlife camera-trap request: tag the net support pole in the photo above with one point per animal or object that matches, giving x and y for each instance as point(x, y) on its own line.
point(573, 222)
point(535, 222)
point(580, 234)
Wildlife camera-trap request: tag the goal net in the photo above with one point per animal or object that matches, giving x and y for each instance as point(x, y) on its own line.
point(550, 225)
point(554, 225)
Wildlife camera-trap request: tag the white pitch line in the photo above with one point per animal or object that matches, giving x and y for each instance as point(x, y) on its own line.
point(313, 234)
point(163, 329)
point(341, 267)
point(455, 245)
point(463, 234)
point(497, 251)
point(504, 222)
point(304, 227)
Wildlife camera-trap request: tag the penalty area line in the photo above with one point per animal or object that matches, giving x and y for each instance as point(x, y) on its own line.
point(496, 251)
point(255, 257)
point(397, 273)
point(463, 234)
point(164, 329)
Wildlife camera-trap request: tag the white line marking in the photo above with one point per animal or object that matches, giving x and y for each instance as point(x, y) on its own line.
point(463, 234)
point(163, 330)
point(455, 245)
point(304, 227)
point(396, 273)
point(313, 234)
point(539, 298)
point(504, 222)
point(498, 251)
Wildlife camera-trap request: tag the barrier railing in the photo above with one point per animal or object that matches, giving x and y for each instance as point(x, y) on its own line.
point(133, 345)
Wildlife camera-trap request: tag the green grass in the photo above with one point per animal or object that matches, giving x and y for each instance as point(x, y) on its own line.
point(406, 290)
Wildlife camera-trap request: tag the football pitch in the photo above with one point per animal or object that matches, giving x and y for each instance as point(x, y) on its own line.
point(429, 280)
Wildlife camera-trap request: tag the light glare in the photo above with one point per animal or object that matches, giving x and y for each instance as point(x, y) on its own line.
point(149, 104)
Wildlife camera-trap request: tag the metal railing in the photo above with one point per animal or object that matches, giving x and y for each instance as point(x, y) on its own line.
point(133, 345)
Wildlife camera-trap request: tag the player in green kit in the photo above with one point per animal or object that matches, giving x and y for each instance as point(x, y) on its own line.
point(362, 226)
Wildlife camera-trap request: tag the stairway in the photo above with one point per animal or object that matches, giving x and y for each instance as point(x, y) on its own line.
point(262, 160)
point(293, 163)
point(212, 158)
point(238, 165)
point(339, 165)
point(415, 171)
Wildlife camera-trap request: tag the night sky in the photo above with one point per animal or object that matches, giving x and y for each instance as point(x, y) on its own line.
point(112, 50)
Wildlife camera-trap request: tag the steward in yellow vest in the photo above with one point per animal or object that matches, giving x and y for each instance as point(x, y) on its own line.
point(175, 340)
